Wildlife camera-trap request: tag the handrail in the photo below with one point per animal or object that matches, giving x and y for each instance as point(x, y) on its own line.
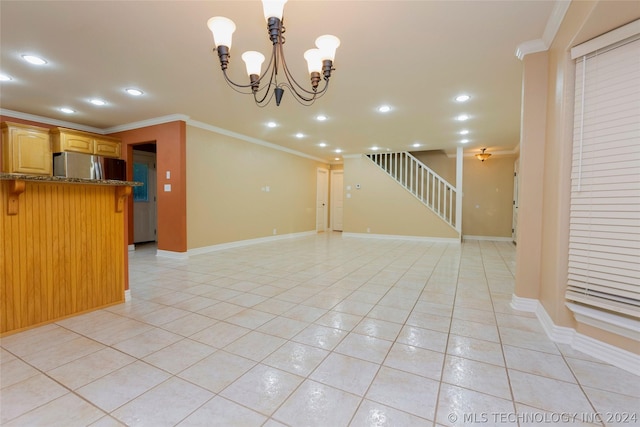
point(422, 182)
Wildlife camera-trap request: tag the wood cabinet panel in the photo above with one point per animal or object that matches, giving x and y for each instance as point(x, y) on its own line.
point(62, 254)
point(77, 142)
point(26, 149)
point(107, 148)
point(83, 142)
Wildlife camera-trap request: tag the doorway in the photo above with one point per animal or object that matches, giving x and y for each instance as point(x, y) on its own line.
point(514, 221)
point(322, 201)
point(145, 196)
point(337, 179)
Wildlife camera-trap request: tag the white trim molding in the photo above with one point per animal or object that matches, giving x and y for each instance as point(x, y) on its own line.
point(610, 322)
point(398, 237)
point(608, 353)
point(612, 37)
point(171, 254)
point(131, 248)
point(127, 295)
point(553, 24)
point(145, 123)
point(250, 139)
point(248, 242)
point(53, 122)
point(488, 238)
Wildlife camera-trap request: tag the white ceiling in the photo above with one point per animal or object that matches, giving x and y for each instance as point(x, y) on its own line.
point(415, 56)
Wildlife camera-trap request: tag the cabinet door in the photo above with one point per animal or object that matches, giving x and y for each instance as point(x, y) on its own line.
point(30, 152)
point(107, 148)
point(76, 143)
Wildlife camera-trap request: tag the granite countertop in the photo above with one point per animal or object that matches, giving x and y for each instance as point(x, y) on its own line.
point(62, 180)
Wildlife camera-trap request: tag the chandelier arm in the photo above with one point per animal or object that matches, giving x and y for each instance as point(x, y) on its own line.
point(267, 69)
point(300, 99)
point(266, 90)
point(292, 81)
point(231, 82)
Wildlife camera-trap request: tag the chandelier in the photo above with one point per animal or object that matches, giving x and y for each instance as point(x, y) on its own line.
point(319, 61)
point(483, 156)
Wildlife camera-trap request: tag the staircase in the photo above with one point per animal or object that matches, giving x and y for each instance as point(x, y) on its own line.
point(425, 185)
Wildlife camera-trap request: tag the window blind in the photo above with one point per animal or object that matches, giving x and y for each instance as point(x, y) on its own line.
point(604, 232)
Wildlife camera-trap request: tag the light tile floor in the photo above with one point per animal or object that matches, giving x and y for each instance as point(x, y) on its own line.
point(314, 331)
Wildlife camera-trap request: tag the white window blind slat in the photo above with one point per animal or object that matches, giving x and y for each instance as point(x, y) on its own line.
point(604, 231)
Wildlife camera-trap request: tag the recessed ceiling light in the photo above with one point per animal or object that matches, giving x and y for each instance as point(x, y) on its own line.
point(464, 132)
point(463, 98)
point(134, 92)
point(35, 60)
point(272, 124)
point(337, 158)
point(416, 145)
point(464, 141)
point(321, 118)
point(98, 102)
point(322, 144)
point(375, 148)
point(67, 110)
point(384, 108)
point(337, 150)
point(299, 135)
point(462, 117)
point(5, 78)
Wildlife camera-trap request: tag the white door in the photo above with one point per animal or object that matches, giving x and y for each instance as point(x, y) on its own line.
point(144, 197)
point(337, 179)
point(322, 201)
point(514, 227)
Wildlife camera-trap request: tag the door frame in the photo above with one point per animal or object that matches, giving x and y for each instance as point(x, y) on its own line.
point(154, 187)
point(325, 172)
point(332, 197)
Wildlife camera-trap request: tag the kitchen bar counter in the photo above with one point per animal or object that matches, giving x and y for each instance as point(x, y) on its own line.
point(58, 179)
point(63, 249)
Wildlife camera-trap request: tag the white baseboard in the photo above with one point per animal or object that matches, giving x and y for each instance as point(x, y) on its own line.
point(132, 248)
point(248, 242)
point(489, 238)
point(171, 254)
point(608, 353)
point(399, 237)
point(127, 295)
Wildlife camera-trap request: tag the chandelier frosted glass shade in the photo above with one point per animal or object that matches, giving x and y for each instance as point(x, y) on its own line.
point(277, 75)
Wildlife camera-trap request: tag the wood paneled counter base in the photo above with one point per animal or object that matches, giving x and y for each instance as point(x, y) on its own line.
point(62, 248)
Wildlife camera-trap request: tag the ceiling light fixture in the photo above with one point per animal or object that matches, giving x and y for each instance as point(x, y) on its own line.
point(322, 144)
point(319, 61)
point(462, 98)
point(462, 117)
point(98, 102)
point(416, 145)
point(272, 124)
point(299, 135)
point(483, 156)
point(337, 150)
point(464, 141)
point(134, 92)
point(35, 60)
point(384, 109)
point(5, 78)
point(67, 110)
point(464, 132)
point(321, 118)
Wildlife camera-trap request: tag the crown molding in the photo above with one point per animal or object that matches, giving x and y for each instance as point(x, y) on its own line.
point(145, 123)
point(553, 24)
point(252, 140)
point(48, 121)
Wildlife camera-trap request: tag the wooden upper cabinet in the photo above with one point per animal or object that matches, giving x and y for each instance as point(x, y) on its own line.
point(26, 149)
point(84, 142)
point(107, 147)
point(67, 140)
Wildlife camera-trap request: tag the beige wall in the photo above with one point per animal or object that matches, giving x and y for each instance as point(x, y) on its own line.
point(225, 197)
point(583, 21)
point(383, 207)
point(487, 187)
